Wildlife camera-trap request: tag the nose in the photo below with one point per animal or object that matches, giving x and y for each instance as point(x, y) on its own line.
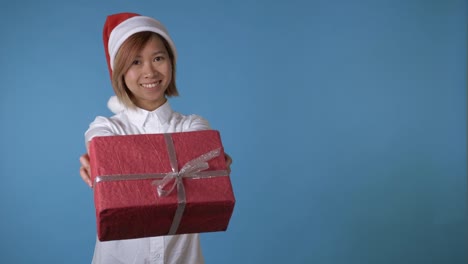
point(149, 71)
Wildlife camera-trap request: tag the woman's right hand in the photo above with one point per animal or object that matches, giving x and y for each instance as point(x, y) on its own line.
point(85, 170)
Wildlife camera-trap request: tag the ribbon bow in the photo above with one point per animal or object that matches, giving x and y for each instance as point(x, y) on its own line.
point(190, 169)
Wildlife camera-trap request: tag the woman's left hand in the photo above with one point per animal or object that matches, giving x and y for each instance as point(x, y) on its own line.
point(228, 162)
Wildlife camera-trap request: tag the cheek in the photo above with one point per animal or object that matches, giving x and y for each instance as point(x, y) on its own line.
point(169, 72)
point(130, 77)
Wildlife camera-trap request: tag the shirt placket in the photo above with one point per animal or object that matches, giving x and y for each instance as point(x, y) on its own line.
point(157, 250)
point(152, 124)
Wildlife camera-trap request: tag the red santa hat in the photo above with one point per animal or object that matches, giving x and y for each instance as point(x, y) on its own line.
point(119, 27)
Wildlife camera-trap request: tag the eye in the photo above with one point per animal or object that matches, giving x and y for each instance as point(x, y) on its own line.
point(159, 58)
point(136, 62)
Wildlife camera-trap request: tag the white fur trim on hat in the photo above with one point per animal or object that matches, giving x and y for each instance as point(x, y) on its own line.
point(134, 25)
point(115, 105)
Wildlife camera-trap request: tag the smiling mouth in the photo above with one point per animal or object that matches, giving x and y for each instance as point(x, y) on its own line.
point(150, 85)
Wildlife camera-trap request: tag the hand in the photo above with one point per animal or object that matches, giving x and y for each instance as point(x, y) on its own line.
point(85, 171)
point(228, 162)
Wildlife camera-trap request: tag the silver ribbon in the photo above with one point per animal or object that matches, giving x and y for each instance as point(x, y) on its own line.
point(194, 169)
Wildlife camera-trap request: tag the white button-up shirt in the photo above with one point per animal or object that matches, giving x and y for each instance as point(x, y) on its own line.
point(158, 250)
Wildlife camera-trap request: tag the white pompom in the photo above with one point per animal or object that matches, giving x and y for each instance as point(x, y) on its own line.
point(115, 105)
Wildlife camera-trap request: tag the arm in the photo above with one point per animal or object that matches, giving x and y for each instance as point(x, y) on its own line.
point(199, 123)
point(101, 126)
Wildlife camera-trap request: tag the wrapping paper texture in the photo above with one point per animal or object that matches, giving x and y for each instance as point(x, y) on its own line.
point(132, 208)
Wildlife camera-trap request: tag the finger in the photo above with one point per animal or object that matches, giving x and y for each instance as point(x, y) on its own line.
point(85, 176)
point(85, 170)
point(228, 162)
point(228, 159)
point(84, 160)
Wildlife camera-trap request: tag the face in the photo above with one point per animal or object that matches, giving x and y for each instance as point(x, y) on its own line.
point(149, 75)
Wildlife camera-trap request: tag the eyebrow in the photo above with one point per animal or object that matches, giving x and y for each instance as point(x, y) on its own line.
point(154, 53)
point(159, 52)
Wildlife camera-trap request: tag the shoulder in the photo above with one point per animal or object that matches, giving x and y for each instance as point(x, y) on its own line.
point(111, 122)
point(105, 126)
point(191, 122)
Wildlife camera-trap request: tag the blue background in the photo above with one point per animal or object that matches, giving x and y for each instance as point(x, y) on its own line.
point(346, 121)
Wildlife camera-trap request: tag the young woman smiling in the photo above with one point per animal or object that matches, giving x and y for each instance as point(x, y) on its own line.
point(142, 59)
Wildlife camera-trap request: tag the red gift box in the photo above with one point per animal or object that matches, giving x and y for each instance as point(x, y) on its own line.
point(134, 175)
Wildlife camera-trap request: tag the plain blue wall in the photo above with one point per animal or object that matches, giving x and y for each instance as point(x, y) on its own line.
point(346, 121)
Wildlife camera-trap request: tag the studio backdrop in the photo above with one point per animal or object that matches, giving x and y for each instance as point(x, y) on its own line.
point(346, 122)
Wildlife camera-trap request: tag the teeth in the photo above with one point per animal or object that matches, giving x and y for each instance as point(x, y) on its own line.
point(150, 85)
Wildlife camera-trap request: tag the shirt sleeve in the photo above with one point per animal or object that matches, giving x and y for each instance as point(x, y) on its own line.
point(101, 126)
point(197, 123)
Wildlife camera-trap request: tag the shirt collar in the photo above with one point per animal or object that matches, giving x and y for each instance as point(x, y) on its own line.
point(139, 116)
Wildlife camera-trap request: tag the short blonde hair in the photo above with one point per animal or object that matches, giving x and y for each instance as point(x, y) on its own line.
point(124, 59)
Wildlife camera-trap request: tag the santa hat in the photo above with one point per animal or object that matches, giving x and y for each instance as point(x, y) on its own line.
point(119, 27)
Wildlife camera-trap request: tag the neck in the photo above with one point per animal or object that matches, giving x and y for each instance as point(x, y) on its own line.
point(151, 106)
